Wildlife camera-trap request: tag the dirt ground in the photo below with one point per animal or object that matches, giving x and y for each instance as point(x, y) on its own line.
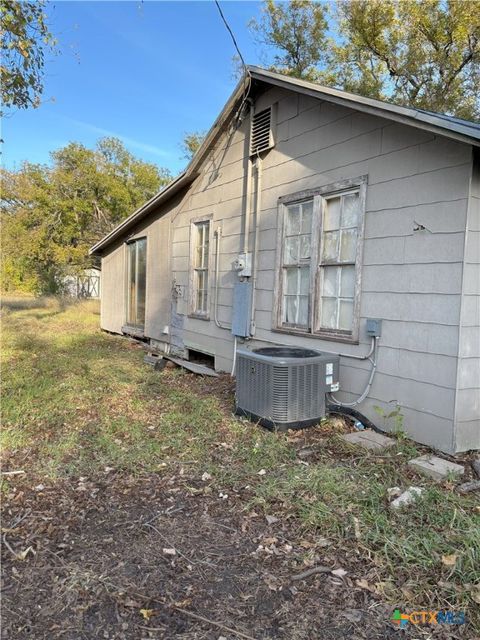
point(117, 557)
point(168, 557)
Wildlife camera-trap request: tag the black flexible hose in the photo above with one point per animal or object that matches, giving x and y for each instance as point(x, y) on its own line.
point(338, 409)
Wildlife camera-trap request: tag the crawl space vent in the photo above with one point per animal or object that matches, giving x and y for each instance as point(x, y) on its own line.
point(261, 138)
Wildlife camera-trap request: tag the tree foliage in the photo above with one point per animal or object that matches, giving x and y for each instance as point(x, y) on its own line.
point(296, 30)
point(422, 53)
point(51, 215)
point(25, 37)
point(191, 143)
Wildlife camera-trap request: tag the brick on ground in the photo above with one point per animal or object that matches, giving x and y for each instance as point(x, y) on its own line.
point(368, 439)
point(436, 467)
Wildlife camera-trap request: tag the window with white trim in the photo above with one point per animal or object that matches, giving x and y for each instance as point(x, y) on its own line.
point(321, 248)
point(200, 267)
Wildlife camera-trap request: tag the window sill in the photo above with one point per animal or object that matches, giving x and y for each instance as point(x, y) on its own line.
point(329, 337)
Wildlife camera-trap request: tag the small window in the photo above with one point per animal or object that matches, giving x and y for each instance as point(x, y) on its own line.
point(321, 246)
point(200, 268)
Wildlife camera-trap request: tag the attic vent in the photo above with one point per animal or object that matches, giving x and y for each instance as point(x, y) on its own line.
point(261, 137)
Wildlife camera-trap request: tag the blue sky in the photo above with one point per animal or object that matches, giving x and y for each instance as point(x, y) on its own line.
point(146, 72)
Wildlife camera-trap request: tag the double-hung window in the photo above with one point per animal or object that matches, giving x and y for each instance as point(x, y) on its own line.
point(200, 259)
point(320, 259)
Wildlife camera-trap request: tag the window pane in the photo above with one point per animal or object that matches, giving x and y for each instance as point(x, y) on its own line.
point(291, 250)
point(330, 245)
point(290, 307)
point(332, 214)
point(345, 319)
point(132, 289)
point(329, 285)
point(347, 282)
point(141, 281)
point(303, 311)
point(304, 277)
point(293, 220)
point(350, 210)
point(348, 247)
point(198, 257)
point(307, 210)
point(291, 281)
point(199, 301)
point(200, 280)
point(329, 313)
point(305, 247)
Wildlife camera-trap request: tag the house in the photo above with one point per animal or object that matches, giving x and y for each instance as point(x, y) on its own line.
point(331, 209)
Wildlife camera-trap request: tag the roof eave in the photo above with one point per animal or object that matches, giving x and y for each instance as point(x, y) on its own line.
point(183, 180)
point(403, 115)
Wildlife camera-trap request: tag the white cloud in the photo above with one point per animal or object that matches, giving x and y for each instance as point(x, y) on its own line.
point(136, 144)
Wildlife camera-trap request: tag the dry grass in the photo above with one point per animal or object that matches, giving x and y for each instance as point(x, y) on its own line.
point(76, 400)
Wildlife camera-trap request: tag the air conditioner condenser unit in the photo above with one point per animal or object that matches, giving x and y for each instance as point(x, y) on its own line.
point(284, 387)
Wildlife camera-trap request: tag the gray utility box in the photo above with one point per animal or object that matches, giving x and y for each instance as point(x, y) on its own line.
point(284, 387)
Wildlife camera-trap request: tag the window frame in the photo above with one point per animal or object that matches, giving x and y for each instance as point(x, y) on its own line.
point(319, 196)
point(134, 328)
point(194, 222)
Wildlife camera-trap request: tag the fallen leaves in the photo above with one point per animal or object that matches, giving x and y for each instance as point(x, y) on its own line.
point(147, 613)
point(450, 560)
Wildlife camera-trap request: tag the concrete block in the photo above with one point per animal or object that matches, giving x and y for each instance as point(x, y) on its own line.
point(368, 439)
point(435, 467)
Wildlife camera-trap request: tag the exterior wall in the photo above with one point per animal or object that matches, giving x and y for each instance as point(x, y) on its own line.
point(467, 409)
point(112, 301)
point(411, 279)
point(156, 228)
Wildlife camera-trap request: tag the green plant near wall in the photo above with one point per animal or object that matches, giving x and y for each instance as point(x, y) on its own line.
point(396, 416)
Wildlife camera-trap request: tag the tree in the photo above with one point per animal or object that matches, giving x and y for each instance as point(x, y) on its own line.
point(296, 30)
point(25, 37)
point(51, 215)
point(191, 143)
point(423, 53)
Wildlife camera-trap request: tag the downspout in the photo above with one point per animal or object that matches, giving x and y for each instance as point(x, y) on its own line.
point(248, 197)
point(258, 206)
point(248, 187)
point(218, 235)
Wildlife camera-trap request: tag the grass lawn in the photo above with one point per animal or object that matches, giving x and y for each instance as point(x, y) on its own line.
point(79, 405)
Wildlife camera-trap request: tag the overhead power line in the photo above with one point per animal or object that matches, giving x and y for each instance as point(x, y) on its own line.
point(247, 75)
point(231, 34)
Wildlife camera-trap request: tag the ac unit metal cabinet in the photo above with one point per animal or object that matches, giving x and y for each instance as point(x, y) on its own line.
point(284, 387)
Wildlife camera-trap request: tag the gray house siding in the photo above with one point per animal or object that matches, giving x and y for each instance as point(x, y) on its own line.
point(467, 407)
point(413, 280)
point(157, 229)
point(112, 303)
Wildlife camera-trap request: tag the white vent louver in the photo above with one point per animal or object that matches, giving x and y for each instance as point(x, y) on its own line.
point(261, 138)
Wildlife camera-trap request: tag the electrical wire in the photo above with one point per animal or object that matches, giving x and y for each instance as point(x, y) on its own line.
point(246, 71)
point(366, 391)
point(231, 34)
